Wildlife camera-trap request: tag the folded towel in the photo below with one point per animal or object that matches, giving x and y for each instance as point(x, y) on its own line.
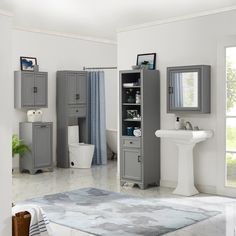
point(39, 223)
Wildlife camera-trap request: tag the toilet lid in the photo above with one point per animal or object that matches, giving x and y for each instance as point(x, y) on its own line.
point(80, 144)
point(74, 144)
point(85, 144)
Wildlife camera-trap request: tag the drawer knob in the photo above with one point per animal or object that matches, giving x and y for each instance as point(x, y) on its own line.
point(131, 142)
point(77, 110)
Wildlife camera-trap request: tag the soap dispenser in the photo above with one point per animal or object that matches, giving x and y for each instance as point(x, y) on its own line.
point(177, 123)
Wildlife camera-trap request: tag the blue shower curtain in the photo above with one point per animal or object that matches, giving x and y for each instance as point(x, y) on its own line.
point(97, 116)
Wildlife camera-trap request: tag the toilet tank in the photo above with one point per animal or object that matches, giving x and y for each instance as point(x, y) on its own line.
point(73, 134)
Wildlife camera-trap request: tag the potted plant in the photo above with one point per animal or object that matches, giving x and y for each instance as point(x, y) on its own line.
point(18, 147)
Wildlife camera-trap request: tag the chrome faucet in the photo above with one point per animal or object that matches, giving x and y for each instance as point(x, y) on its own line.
point(188, 126)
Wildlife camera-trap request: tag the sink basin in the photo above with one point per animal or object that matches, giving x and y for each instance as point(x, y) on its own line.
point(185, 141)
point(185, 136)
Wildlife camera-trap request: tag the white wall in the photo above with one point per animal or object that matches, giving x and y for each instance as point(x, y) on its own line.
point(111, 84)
point(188, 42)
point(6, 104)
point(60, 53)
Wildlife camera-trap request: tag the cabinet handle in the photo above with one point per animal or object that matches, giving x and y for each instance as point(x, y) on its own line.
point(35, 89)
point(43, 126)
point(77, 110)
point(77, 96)
point(130, 142)
point(171, 90)
point(139, 158)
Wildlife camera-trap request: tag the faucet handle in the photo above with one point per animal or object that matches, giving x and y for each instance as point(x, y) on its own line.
point(188, 126)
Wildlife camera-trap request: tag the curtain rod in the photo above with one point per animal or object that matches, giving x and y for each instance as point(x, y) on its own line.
point(100, 68)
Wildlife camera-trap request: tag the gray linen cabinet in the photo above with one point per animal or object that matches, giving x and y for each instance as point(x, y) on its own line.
point(31, 89)
point(38, 136)
point(71, 110)
point(139, 156)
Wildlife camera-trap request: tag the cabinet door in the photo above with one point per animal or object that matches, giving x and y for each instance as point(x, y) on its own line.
point(72, 88)
point(41, 94)
point(42, 141)
point(131, 164)
point(81, 92)
point(27, 89)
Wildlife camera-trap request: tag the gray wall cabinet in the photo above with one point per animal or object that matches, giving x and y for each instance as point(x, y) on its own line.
point(38, 136)
point(71, 110)
point(140, 156)
point(31, 89)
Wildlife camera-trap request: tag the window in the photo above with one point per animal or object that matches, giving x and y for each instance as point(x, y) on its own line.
point(231, 116)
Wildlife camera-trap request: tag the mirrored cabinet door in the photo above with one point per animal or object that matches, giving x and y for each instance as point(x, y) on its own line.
point(188, 89)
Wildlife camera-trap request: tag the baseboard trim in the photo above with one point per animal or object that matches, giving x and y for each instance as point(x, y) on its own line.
point(209, 189)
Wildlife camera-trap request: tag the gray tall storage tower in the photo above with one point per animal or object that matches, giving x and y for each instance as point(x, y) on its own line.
point(71, 110)
point(139, 156)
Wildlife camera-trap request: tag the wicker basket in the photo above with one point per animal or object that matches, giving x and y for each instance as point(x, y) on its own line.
point(21, 224)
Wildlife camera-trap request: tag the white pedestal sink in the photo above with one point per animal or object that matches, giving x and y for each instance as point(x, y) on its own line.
point(185, 141)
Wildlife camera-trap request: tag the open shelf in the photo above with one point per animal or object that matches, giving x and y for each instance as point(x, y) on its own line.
point(131, 104)
point(131, 87)
point(133, 120)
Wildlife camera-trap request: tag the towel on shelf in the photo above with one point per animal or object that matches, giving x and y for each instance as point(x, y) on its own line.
point(39, 223)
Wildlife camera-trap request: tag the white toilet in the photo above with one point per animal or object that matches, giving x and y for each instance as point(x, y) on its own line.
point(81, 154)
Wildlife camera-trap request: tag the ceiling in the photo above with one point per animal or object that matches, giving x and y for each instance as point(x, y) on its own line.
point(101, 18)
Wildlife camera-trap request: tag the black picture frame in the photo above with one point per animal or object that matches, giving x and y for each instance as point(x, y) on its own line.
point(147, 57)
point(28, 63)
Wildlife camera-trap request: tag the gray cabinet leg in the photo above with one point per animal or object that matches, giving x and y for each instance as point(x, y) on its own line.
point(32, 172)
point(142, 186)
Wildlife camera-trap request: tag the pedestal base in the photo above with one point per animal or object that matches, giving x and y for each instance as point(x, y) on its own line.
point(185, 186)
point(190, 191)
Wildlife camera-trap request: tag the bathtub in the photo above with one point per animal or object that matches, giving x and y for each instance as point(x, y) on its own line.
point(112, 140)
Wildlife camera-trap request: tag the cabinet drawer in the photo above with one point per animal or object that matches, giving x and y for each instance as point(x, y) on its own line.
point(78, 111)
point(131, 142)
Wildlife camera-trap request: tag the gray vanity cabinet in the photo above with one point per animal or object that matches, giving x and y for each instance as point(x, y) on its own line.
point(31, 89)
point(38, 136)
point(139, 156)
point(71, 110)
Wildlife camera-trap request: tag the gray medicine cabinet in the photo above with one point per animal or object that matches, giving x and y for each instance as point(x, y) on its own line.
point(189, 89)
point(31, 89)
